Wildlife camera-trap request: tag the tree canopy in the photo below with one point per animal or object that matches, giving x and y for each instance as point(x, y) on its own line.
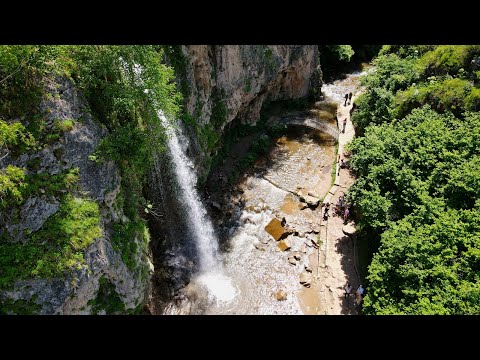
point(417, 160)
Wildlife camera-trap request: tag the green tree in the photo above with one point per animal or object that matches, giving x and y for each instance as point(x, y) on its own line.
point(417, 159)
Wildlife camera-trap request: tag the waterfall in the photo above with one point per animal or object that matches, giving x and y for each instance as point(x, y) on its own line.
point(211, 273)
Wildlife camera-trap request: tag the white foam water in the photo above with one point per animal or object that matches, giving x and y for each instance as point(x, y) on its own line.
point(220, 287)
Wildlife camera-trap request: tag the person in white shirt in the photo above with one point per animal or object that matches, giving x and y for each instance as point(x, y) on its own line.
point(360, 291)
point(348, 290)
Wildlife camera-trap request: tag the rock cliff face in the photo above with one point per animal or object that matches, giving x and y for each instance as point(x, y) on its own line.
point(226, 83)
point(240, 78)
point(98, 182)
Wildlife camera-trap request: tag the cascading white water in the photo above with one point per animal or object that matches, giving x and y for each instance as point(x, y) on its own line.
point(211, 270)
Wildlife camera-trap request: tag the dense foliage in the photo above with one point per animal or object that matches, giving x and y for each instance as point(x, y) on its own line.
point(338, 59)
point(107, 299)
point(57, 247)
point(418, 189)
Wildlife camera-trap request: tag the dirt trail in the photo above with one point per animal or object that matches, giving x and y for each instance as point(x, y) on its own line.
point(334, 266)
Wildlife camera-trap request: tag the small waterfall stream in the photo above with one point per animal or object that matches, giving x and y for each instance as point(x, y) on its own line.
point(211, 274)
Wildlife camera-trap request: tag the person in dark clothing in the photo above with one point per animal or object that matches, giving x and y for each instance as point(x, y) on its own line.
point(354, 106)
point(283, 223)
point(344, 125)
point(345, 215)
point(349, 98)
point(327, 208)
point(346, 99)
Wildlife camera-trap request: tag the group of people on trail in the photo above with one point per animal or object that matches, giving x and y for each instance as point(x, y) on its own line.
point(348, 97)
point(342, 208)
point(358, 294)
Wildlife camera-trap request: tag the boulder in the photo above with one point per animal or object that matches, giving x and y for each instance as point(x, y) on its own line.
point(281, 295)
point(349, 229)
point(308, 268)
point(284, 245)
point(275, 229)
point(306, 279)
point(291, 260)
point(302, 206)
point(216, 205)
point(258, 247)
point(311, 193)
point(297, 255)
point(312, 201)
point(303, 248)
point(264, 239)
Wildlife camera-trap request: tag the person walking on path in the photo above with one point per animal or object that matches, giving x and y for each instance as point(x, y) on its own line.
point(349, 98)
point(360, 290)
point(342, 165)
point(344, 125)
point(346, 99)
point(325, 214)
point(348, 290)
point(345, 215)
point(358, 302)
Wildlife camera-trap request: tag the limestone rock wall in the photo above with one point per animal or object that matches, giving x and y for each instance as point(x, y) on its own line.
point(233, 82)
point(100, 182)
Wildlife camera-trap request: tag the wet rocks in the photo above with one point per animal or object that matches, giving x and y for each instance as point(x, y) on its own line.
point(264, 239)
point(306, 279)
point(216, 205)
point(302, 206)
point(303, 248)
point(297, 255)
point(314, 243)
point(281, 295)
point(310, 200)
point(275, 229)
point(284, 245)
point(258, 246)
